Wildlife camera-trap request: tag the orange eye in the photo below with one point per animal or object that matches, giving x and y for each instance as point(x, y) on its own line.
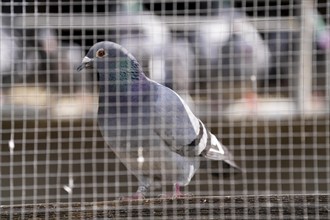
point(100, 53)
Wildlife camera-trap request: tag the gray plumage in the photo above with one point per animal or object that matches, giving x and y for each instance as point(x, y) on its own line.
point(147, 125)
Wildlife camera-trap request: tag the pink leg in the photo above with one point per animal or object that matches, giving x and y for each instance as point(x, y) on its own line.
point(176, 193)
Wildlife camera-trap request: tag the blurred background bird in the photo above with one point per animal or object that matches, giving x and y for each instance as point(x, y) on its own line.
point(284, 65)
point(233, 54)
point(163, 57)
point(45, 75)
point(54, 62)
point(9, 51)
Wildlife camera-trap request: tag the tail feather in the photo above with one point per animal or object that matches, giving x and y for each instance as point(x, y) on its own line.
point(220, 169)
point(218, 152)
point(232, 164)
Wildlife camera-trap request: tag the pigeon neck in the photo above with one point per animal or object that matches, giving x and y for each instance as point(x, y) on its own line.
point(128, 76)
point(119, 73)
point(114, 90)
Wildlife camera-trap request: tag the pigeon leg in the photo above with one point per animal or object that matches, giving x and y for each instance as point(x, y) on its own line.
point(176, 193)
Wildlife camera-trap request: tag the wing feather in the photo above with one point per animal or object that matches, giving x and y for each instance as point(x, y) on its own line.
point(176, 124)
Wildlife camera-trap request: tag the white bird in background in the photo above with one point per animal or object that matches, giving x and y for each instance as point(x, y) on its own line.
point(179, 69)
point(231, 28)
point(231, 50)
point(54, 61)
point(61, 59)
point(9, 51)
point(167, 60)
point(64, 54)
point(8, 48)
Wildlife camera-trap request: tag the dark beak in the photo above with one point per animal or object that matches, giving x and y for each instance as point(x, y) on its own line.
point(86, 63)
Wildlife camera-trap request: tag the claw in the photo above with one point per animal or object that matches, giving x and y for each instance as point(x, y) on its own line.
point(176, 193)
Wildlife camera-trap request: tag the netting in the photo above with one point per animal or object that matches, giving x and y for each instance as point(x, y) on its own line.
point(256, 73)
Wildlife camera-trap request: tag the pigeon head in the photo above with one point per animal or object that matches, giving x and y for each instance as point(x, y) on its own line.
point(112, 62)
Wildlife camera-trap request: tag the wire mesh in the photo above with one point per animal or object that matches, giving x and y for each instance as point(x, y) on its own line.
point(255, 72)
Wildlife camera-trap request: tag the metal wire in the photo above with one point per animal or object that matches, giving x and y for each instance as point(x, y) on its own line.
point(255, 72)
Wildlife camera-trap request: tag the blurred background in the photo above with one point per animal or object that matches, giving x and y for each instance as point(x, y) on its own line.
point(256, 72)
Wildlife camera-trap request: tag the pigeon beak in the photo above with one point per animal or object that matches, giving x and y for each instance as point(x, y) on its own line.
point(86, 63)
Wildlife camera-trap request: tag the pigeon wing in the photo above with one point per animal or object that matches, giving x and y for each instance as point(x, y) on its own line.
point(176, 125)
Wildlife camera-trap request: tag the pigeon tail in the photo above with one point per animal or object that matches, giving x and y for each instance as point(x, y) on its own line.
point(216, 151)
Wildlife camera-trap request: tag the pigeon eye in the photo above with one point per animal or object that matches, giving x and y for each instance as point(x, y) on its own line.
point(100, 53)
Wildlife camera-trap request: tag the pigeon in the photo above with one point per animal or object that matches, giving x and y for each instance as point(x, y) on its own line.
point(232, 41)
point(147, 125)
point(63, 56)
point(9, 51)
point(53, 61)
point(284, 63)
point(8, 48)
point(159, 54)
point(232, 56)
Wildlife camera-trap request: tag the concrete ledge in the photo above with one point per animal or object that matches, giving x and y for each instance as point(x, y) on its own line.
point(238, 207)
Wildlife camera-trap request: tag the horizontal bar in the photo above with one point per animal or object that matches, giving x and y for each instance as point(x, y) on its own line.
point(89, 21)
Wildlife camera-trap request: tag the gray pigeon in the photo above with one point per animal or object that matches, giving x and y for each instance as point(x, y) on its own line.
point(232, 42)
point(147, 125)
point(233, 58)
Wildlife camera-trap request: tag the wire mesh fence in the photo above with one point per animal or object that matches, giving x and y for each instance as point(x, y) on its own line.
point(79, 144)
